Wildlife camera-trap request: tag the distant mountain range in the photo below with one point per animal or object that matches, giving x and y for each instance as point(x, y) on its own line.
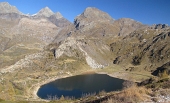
point(36, 47)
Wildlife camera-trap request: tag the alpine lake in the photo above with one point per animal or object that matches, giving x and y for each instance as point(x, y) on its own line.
point(79, 86)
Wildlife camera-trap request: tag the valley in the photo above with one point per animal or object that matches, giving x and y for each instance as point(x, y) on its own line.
point(37, 49)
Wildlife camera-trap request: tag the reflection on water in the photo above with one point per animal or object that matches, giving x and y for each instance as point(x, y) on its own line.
point(77, 85)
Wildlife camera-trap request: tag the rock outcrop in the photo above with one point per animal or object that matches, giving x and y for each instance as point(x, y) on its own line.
point(160, 26)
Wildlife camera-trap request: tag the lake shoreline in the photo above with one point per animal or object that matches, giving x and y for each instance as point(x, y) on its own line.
point(36, 87)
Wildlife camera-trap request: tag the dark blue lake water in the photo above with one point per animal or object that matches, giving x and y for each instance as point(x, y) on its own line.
point(76, 86)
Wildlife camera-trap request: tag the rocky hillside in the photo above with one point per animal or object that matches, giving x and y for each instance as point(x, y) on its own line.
point(123, 42)
point(144, 49)
point(92, 35)
point(22, 34)
point(127, 25)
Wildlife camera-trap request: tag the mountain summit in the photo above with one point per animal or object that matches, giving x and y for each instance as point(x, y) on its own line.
point(94, 13)
point(11, 13)
point(45, 12)
point(90, 15)
point(58, 15)
point(5, 7)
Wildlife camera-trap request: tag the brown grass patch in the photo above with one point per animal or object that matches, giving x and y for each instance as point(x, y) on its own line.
point(130, 95)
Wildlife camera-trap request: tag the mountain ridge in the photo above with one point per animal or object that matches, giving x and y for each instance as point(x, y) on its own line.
point(5, 7)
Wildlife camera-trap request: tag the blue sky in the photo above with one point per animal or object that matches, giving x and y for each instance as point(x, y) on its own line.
point(145, 11)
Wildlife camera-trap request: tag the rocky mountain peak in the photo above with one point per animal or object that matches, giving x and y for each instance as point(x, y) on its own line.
point(45, 12)
point(58, 15)
point(94, 13)
point(90, 15)
point(5, 7)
